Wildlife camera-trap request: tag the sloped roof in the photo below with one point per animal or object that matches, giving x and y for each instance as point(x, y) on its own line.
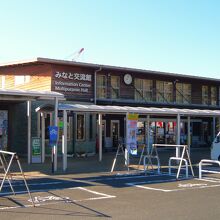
point(40, 60)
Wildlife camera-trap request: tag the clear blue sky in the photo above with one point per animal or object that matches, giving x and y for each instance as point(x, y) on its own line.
point(179, 36)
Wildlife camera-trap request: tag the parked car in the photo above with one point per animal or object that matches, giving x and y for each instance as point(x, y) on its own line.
point(215, 149)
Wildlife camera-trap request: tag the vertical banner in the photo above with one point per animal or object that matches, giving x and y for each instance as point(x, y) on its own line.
point(132, 120)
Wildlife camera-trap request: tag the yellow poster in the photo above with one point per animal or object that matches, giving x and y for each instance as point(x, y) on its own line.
point(132, 116)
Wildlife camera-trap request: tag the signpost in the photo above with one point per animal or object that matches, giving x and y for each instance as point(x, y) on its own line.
point(36, 150)
point(53, 132)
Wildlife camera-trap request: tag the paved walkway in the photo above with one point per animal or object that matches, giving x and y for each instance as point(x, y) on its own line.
point(89, 165)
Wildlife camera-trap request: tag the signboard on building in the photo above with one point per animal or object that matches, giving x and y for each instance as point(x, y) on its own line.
point(77, 83)
point(36, 150)
point(132, 120)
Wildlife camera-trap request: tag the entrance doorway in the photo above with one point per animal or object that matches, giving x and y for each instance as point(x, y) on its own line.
point(3, 129)
point(103, 133)
point(115, 132)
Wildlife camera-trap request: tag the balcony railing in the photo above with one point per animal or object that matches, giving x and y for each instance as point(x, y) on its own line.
point(133, 94)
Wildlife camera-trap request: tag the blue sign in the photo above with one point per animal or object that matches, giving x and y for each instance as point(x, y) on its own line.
point(53, 133)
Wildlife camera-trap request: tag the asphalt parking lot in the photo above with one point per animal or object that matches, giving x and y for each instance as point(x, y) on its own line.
point(118, 196)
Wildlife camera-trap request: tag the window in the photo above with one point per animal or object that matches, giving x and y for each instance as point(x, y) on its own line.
point(115, 87)
point(143, 89)
point(101, 86)
point(19, 80)
point(2, 82)
point(164, 91)
point(48, 121)
point(205, 97)
point(183, 93)
point(213, 95)
point(69, 127)
point(80, 127)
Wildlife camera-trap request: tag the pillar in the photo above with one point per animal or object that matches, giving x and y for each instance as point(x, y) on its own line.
point(148, 134)
point(188, 134)
point(100, 137)
point(29, 130)
point(178, 135)
point(43, 136)
point(64, 140)
point(55, 124)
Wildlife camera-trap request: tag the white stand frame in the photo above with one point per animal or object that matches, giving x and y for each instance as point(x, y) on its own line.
point(118, 153)
point(142, 153)
point(207, 162)
point(7, 174)
point(153, 154)
point(185, 152)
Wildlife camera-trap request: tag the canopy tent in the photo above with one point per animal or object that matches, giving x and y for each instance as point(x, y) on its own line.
point(148, 111)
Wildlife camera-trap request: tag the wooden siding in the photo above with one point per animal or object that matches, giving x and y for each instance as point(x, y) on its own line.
point(40, 77)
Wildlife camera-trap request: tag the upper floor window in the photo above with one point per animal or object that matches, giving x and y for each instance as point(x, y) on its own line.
point(143, 89)
point(213, 95)
point(205, 95)
point(115, 87)
point(19, 80)
point(164, 91)
point(101, 86)
point(183, 93)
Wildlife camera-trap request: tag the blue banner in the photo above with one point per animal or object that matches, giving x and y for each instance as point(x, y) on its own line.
point(53, 134)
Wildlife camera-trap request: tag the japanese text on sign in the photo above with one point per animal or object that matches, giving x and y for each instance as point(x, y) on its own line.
point(74, 76)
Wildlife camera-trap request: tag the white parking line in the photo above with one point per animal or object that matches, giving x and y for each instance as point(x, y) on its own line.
point(65, 199)
point(209, 179)
point(95, 192)
point(190, 186)
point(34, 184)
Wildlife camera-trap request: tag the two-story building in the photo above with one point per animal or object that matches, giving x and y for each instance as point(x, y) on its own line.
point(88, 83)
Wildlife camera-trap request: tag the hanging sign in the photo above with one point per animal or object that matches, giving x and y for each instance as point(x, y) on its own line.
point(36, 149)
point(132, 120)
